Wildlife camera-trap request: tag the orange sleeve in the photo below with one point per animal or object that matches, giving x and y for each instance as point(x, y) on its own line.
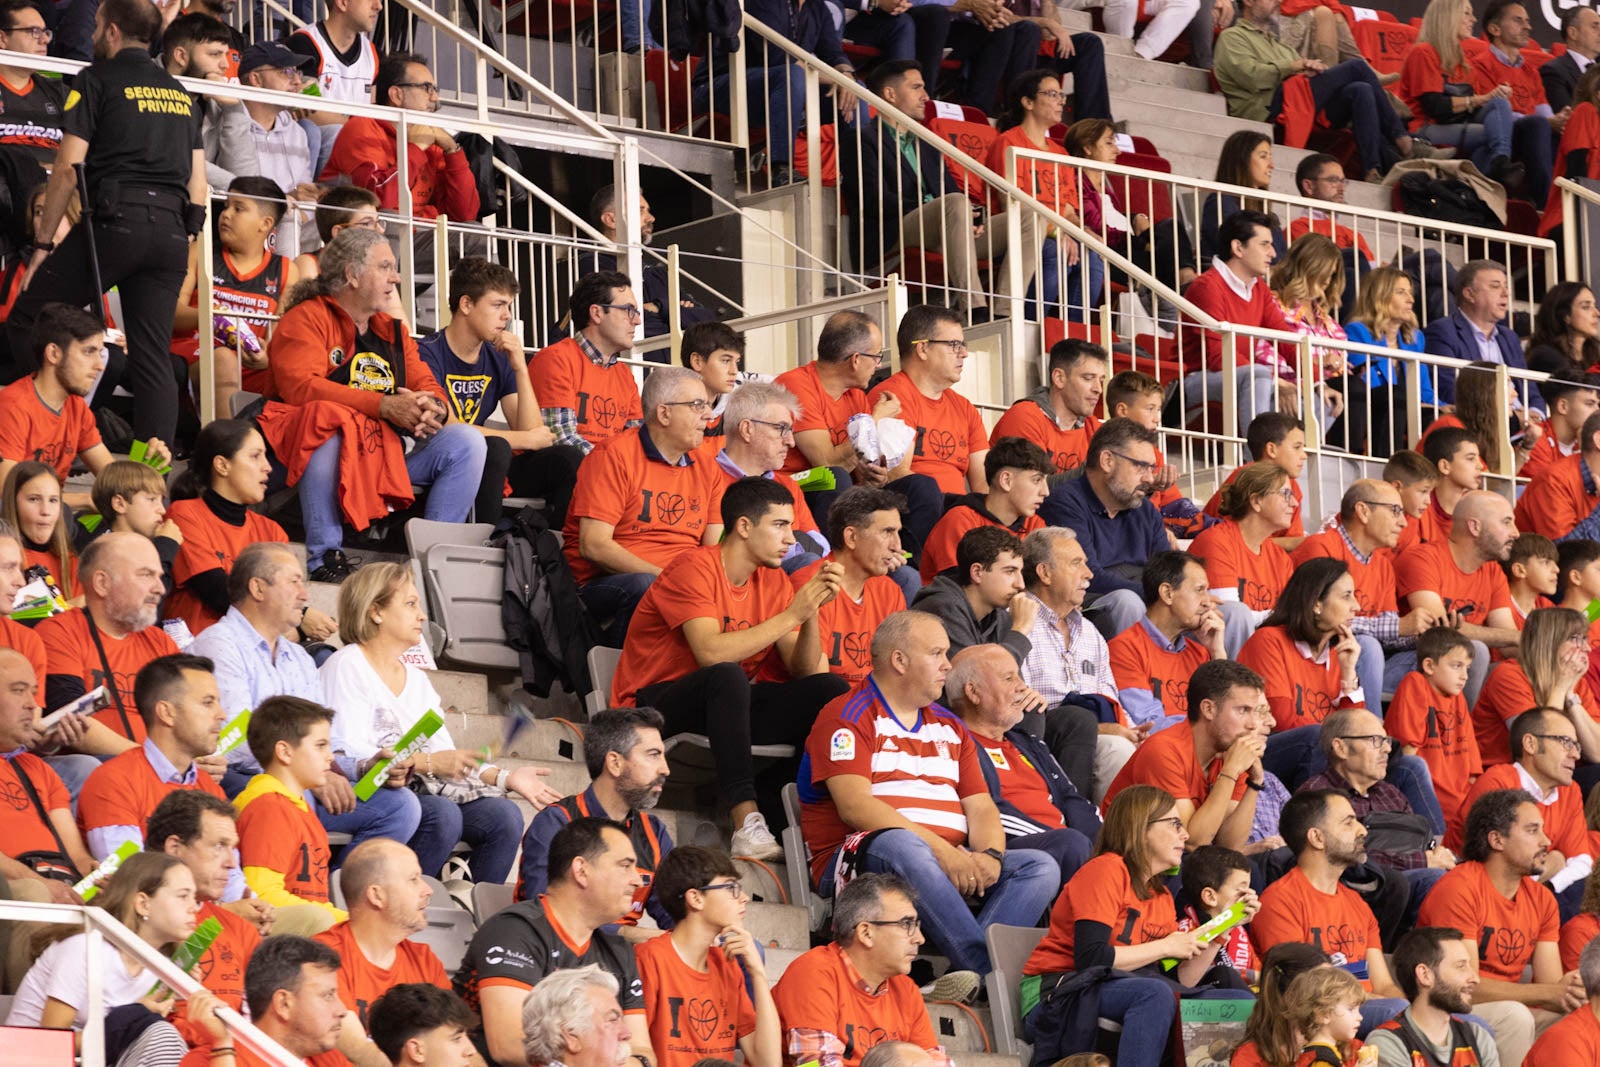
point(1264, 653)
point(199, 551)
point(687, 591)
point(1406, 719)
point(298, 355)
point(1097, 893)
point(1215, 549)
point(939, 550)
point(1415, 571)
point(1449, 903)
point(88, 429)
point(604, 490)
point(1576, 934)
point(15, 426)
point(15, 635)
point(1279, 919)
point(553, 379)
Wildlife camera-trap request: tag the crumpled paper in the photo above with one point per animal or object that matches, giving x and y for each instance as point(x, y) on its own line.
point(885, 441)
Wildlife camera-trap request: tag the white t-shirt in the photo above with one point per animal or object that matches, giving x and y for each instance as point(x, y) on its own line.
point(367, 716)
point(61, 973)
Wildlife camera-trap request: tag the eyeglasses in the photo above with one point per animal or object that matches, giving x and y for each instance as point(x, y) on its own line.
point(735, 890)
point(1337, 180)
point(1287, 494)
point(38, 33)
point(958, 347)
point(633, 311)
point(785, 429)
point(1171, 820)
point(698, 405)
point(430, 88)
point(1569, 744)
point(1395, 510)
point(1377, 741)
point(1051, 94)
point(375, 224)
point(910, 924)
point(1144, 465)
point(876, 357)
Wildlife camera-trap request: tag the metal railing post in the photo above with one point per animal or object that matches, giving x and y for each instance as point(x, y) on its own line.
point(674, 300)
point(1312, 421)
point(408, 221)
point(626, 203)
point(207, 326)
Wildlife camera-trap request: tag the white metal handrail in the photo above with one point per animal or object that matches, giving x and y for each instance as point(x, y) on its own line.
point(1571, 233)
point(98, 925)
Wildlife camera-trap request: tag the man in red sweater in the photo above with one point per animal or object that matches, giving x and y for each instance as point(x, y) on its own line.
point(1234, 290)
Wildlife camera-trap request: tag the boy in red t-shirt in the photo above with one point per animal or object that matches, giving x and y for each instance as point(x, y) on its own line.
point(1414, 478)
point(695, 1000)
point(1533, 574)
point(1016, 470)
point(1458, 466)
point(1570, 399)
point(1429, 717)
point(1278, 438)
point(282, 847)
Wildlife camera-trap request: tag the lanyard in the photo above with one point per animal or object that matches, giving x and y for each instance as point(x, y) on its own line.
point(111, 678)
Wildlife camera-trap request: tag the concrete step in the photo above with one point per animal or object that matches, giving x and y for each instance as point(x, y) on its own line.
point(1122, 71)
point(462, 693)
point(1114, 45)
point(1173, 114)
point(1190, 100)
point(778, 925)
point(984, 1059)
point(766, 881)
point(541, 739)
point(778, 960)
point(960, 1028)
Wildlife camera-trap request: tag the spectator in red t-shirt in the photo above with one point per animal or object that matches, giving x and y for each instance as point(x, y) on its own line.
point(1570, 397)
point(1305, 650)
point(1016, 469)
point(757, 427)
point(31, 501)
point(1244, 562)
point(292, 990)
point(1151, 661)
point(1533, 574)
point(715, 351)
point(1563, 503)
point(1497, 62)
point(1063, 414)
point(586, 394)
point(1575, 1039)
point(864, 528)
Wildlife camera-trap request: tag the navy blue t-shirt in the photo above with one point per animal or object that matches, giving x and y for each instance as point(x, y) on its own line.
point(474, 389)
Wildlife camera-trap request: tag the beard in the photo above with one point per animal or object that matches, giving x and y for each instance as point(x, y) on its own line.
point(1453, 999)
point(136, 616)
point(642, 798)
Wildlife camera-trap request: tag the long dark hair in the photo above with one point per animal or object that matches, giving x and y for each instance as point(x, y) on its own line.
point(1551, 327)
point(1024, 86)
point(221, 438)
point(1233, 162)
point(1296, 611)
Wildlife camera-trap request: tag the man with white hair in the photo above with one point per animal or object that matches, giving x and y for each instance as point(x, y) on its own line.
point(1575, 1039)
point(1069, 656)
point(759, 426)
point(643, 498)
point(572, 1019)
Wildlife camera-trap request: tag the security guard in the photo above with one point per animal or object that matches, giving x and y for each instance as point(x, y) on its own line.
point(137, 131)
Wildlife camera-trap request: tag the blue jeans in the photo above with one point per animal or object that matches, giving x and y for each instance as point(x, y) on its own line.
point(782, 87)
point(1070, 848)
point(391, 813)
point(611, 599)
point(457, 450)
point(1488, 134)
point(491, 827)
point(1256, 388)
point(1050, 278)
point(1147, 1010)
point(1349, 95)
point(633, 20)
point(1029, 881)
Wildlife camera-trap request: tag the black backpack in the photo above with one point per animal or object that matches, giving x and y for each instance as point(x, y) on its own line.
point(544, 618)
point(1447, 200)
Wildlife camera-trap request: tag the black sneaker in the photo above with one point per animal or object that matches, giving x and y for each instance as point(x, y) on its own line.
point(336, 567)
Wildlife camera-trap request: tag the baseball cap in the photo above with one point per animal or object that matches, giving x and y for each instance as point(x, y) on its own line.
point(270, 54)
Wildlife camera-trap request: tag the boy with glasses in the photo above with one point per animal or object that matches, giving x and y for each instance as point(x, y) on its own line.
point(31, 105)
point(587, 393)
point(695, 998)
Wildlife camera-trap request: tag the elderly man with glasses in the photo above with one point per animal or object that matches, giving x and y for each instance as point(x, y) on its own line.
point(759, 424)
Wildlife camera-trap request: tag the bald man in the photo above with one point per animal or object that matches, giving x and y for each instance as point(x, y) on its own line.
point(1039, 806)
point(897, 1054)
point(109, 640)
point(1460, 582)
point(1371, 518)
point(387, 900)
point(22, 828)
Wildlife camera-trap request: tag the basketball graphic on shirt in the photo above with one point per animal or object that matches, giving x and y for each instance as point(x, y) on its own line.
point(670, 507)
point(1311, 705)
point(858, 646)
point(1510, 946)
point(861, 1039)
point(941, 443)
point(13, 794)
point(603, 411)
point(703, 1017)
point(1342, 943)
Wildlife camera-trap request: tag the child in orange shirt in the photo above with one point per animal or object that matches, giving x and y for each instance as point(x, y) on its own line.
point(1413, 478)
point(1135, 395)
point(704, 960)
point(1325, 1006)
point(31, 502)
point(282, 847)
point(1532, 571)
point(1458, 465)
point(1429, 717)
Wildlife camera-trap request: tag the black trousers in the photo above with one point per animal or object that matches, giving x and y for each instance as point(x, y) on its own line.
point(144, 252)
point(720, 702)
point(547, 473)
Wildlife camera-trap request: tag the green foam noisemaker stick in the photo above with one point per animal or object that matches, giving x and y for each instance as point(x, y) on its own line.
point(1592, 612)
point(815, 479)
point(1213, 928)
point(90, 886)
point(409, 745)
point(91, 521)
point(233, 732)
point(186, 955)
point(140, 453)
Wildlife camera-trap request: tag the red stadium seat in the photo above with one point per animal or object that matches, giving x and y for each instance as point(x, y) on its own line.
point(968, 129)
point(828, 144)
point(1060, 329)
point(1384, 44)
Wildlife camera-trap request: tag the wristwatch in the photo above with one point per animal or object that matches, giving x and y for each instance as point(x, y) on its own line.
point(995, 854)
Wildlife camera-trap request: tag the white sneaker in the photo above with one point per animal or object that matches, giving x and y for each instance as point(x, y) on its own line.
point(755, 841)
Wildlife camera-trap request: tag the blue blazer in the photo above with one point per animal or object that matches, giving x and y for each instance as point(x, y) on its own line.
point(1454, 337)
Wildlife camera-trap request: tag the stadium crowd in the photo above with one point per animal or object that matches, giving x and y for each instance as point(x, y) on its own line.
point(1212, 750)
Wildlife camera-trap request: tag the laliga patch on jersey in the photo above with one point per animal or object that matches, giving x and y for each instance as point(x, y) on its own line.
point(842, 746)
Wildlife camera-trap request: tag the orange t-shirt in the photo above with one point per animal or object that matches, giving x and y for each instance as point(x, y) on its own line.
point(1546, 450)
point(1557, 501)
point(280, 835)
point(1506, 931)
point(818, 410)
point(1489, 71)
point(1432, 525)
point(1422, 72)
point(30, 430)
point(1440, 728)
point(804, 521)
point(15, 635)
point(692, 1014)
point(939, 550)
point(32, 557)
point(846, 626)
point(1338, 923)
point(209, 544)
point(361, 981)
point(1576, 933)
point(1246, 1055)
point(1506, 694)
point(1055, 185)
point(1430, 567)
point(221, 968)
point(1297, 524)
point(1258, 577)
point(1168, 761)
point(656, 510)
point(20, 826)
point(1101, 892)
point(1029, 420)
point(73, 652)
point(124, 790)
point(1301, 692)
point(822, 991)
point(949, 430)
point(1374, 578)
point(1575, 1039)
point(695, 586)
point(603, 399)
point(1137, 662)
point(1563, 817)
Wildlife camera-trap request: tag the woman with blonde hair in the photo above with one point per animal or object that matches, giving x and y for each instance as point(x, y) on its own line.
point(1549, 671)
point(1116, 912)
point(1309, 283)
point(1436, 83)
point(377, 695)
point(1385, 315)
